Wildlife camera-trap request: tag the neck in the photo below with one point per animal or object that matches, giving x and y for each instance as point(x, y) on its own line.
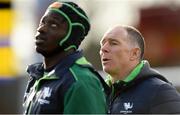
point(124, 72)
point(49, 62)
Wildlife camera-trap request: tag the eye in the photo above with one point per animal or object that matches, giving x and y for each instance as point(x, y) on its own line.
point(53, 25)
point(102, 42)
point(113, 43)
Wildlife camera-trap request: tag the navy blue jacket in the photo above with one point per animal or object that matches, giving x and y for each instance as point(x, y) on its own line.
point(148, 93)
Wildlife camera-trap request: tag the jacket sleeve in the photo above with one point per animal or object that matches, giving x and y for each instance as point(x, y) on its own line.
point(84, 99)
point(167, 100)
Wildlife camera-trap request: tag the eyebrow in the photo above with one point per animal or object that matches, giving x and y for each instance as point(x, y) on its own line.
point(56, 19)
point(109, 39)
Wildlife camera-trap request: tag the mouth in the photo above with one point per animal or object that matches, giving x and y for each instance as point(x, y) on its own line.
point(105, 60)
point(39, 40)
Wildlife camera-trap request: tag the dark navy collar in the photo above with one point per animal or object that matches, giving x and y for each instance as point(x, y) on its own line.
point(67, 62)
point(37, 70)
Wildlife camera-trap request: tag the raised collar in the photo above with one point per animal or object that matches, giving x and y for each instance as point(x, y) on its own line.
point(37, 71)
point(130, 77)
point(134, 72)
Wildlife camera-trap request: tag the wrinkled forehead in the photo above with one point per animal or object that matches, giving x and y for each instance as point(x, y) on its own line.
point(115, 33)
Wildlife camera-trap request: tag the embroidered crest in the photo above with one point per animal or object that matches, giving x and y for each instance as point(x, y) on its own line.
point(128, 105)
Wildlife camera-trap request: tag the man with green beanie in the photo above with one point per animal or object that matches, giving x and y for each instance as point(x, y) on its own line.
point(65, 81)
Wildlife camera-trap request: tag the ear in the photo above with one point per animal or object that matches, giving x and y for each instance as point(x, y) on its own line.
point(135, 54)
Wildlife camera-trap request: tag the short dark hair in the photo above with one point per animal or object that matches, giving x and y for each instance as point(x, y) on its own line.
point(137, 37)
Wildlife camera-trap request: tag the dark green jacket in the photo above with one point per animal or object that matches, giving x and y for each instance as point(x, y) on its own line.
point(71, 87)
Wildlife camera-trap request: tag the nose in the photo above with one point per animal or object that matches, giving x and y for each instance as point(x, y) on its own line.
point(104, 48)
point(42, 29)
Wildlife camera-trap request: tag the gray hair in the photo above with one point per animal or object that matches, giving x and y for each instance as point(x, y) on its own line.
point(136, 37)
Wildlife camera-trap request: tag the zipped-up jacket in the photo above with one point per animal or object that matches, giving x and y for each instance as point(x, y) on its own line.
point(72, 87)
point(148, 93)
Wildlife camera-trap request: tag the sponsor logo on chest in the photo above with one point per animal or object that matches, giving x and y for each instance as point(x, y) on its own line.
point(128, 106)
point(44, 94)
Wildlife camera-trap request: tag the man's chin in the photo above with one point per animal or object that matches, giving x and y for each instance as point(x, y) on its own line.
point(105, 69)
point(43, 53)
point(49, 53)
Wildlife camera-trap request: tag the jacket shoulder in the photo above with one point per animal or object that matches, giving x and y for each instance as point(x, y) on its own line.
point(166, 99)
point(82, 73)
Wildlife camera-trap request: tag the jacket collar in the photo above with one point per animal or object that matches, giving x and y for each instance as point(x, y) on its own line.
point(67, 62)
point(145, 73)
point(37, 70)
point(130, 77)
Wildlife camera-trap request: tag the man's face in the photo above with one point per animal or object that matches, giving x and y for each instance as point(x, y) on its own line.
point(115, 51)
point(52, 29)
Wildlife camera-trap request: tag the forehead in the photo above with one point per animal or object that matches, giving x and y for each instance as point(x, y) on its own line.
point(53, 16)
point(116, 33)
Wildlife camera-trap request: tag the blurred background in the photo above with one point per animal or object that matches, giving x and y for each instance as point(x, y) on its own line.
point(158, 21)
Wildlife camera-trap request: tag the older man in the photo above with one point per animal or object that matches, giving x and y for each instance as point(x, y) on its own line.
point(136, 87)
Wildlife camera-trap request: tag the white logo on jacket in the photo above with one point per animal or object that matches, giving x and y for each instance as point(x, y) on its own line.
point(128, 105)
point(45, 93)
